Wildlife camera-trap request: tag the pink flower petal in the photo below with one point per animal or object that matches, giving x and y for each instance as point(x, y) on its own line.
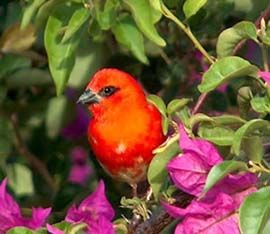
point(95, 211)
point(53, 230)
point(265, 76)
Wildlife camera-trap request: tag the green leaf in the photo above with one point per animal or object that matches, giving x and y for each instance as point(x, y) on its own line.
point(30, 11)
point(143, 15)
point(3, 94)
point(229, 38)
point(157, 169)
point(10, 63)
point(158, 102)
point(56, 115)
point(176, 105)
point(106, 18)
point(20, 179)
point(261, 104)
point(61, 55)
point(127, 34)
point(45, 11)
point(20, 230)
point(218, 172)
point(89, 58)
point(217, 134)
point(253, 147)
point(156, 4)
point(191, 7)
point(29, 77)
point(255, 211)
point(228, 120)
point(198, 118)
point(78, 18)
point(254, 127)
point(225, 69)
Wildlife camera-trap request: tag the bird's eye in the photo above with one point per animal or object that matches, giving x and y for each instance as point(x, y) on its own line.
point(108, 91)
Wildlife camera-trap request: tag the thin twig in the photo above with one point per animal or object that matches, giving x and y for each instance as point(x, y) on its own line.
point(37, 164)
point(199, 103)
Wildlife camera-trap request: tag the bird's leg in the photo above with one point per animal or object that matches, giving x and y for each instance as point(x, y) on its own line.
point(134, 187)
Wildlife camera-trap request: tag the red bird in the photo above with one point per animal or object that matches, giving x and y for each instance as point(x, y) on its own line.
point(125, 128)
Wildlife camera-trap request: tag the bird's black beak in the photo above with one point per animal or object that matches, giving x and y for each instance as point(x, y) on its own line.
point(88, 97)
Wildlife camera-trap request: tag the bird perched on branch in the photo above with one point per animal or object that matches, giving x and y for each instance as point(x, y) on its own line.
point(125, 128)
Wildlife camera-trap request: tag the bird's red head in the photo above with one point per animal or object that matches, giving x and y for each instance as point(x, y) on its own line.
point(111, 87)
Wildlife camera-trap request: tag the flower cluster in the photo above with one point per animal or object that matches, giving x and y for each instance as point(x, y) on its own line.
point(215, 212)
point(95, 211)
point(11, 216)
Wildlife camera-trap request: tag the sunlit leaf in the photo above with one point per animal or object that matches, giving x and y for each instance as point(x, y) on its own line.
point(157, 170)
point(225, 69)
point(257, 127)
point(177, 104)
point(261, 104)
point(217, 134)
point(142, 14)
point(218, 172)
point(191, 7)
point(255, 211)
point(229, 38)
point(30, 11)
point(127, 34)
point(61, 55)
point(78, 18)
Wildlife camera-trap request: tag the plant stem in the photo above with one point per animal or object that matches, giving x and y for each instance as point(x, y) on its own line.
point(167, 13)
point(265, 57)
point(31, 158)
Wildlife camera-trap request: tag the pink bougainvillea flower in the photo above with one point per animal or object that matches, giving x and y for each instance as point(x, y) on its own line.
point(216, 211)
point(189, 170)
point(265, 76)
point(10, 213)
point(95, 211)
point(80, 169)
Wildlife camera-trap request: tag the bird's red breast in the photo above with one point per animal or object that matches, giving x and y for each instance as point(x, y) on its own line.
point(125, 128)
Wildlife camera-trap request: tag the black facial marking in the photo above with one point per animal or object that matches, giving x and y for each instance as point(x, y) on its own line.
point(108, 91)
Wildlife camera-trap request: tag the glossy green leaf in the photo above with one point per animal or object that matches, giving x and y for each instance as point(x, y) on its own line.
point(29, 77)
point(217, 134)
point(261, 104)
point(191, 7)
point(158, 102)
point(218, 172)
point(57, 112)
point(61, 55)
point(229, 38)
point(10, 63)
point(253, 147)
point(144, 17)
point(20, 179)
point(127, 34)
point(253, 127)
point(225, 69)
point(78, 18)
point(157, 169)
point(255, 211)
point(156, 4)
point(107, 16)
point(30, 11)
point(177, 104)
